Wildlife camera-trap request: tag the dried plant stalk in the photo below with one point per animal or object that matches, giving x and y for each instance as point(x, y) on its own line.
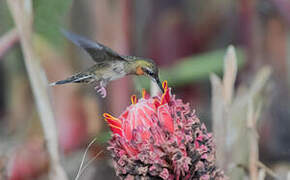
point(253, 141)
point(234, 118)
point(267, 170)
point(21, 11)
point(230, 73)
point(219, 121)
point(262, 174)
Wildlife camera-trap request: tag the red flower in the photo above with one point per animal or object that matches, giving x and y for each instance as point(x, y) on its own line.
point(161, 137)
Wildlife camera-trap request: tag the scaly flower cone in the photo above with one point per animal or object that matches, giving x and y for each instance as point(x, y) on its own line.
point(161, 138)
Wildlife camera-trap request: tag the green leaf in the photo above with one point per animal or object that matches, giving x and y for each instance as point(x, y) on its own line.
point(49, 16)
point(6, 22)
point(104, 137)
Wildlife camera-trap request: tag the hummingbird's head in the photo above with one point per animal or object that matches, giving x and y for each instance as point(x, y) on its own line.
point(148, 68)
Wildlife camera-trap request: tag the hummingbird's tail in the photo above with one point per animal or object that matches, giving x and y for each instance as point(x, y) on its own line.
point(79, 78)
point(61, 82)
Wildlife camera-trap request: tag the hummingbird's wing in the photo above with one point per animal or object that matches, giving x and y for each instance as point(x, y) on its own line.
point(96, 50)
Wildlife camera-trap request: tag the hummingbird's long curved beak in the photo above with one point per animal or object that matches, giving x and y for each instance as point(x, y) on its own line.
point(159, 83)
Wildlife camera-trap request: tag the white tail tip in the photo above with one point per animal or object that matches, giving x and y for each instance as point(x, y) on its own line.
point(52, 84)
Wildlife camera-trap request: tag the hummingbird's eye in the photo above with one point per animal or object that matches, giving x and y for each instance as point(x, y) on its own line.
point(150, 73)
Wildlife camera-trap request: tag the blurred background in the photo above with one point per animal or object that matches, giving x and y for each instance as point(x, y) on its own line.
point(187, 39)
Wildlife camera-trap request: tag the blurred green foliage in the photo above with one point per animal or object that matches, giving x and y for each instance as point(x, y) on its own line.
point(48, 20)
point(193, 69)
point(6, 22)
point(104, 137)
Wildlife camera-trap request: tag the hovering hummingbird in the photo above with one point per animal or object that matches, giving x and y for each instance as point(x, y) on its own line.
point(109, 65)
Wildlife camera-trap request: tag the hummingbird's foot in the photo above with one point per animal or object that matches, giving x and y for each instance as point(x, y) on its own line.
point(101, 90)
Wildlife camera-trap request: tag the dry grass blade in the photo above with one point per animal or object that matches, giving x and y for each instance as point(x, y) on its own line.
point(217, 98)
point(89, 163)
point(262, 174)
point(268, 170)
point(83, 159)
point(230, 73)
point(218, 118)
point(260, 80)
point(216, 85)
point(253, 141)
point(22, 14)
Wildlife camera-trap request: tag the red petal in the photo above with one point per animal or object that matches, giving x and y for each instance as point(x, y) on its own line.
point(165, 117)
point(116, 130)
point(124, 115)
point(156, 103)
point(114, 123)
point(127, 128)
point(130, 150)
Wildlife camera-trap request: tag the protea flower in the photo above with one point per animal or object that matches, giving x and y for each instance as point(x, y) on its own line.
point(161, 138)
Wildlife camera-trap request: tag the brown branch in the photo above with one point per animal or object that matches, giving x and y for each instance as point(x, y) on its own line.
point(7, 41)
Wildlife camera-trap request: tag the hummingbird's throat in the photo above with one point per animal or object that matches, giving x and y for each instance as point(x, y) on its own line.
point(139, 71)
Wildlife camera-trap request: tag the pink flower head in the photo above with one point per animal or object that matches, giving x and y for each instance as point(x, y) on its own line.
point(161, 137)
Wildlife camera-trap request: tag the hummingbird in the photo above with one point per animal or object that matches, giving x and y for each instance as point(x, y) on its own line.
point(108, 66)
